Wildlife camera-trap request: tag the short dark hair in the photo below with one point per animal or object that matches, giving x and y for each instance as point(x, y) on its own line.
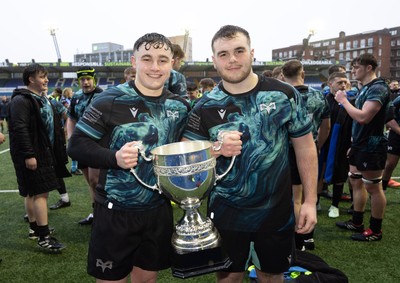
point(229, 31)
point(335, 68)
point(336, 75)
point(292, 68)
point(178, 52)
point(365, 60)
point(31, 71)
point(155, 40)
point(191, 86)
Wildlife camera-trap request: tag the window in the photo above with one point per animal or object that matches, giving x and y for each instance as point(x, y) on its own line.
point(355, 43)
point(354, 54)
point(370, 41)
point(333, 42)
point(398, 42)
point(285, 54)
point(380, 52)
point(362, 43)
point(325, 43)
point(393, 32)
point(393, 43)
point(290, 53)
point(317, 44)
point(280, 54)
point(348, 45)
point(341, 45)
point(332, 52)
point(341, 56)
point(398, 52)
point(347, 56)
point(370, 51)
point(380, 40)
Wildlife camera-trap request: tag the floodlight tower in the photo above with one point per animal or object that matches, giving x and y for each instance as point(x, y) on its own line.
point(306, 42)
point(53, 34)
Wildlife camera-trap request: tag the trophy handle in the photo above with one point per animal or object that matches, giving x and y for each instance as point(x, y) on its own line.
point(219, 177)
point(140, 148)
point(220, 140)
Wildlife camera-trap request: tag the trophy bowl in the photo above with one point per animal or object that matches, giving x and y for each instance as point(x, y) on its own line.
point(186, 173)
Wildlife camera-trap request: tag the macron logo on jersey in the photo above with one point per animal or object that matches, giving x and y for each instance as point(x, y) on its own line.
point(268, 107)
point(133, 111)
point(222, 113)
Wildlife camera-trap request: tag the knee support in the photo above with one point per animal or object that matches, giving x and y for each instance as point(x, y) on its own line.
point(372, 181)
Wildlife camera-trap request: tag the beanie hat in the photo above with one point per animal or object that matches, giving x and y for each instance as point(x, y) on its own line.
point(87, 71)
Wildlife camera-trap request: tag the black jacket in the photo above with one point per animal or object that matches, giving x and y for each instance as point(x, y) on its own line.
point(29, 138)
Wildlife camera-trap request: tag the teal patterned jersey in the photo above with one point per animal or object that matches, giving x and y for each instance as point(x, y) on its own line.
point(122, 114)
point(47, 115)
point(80, 101)
point(370, 137)
point(317, 106)
point(258, 188)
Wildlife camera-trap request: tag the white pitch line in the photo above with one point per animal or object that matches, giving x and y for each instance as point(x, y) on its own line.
point(4, 151)
point(9, 191)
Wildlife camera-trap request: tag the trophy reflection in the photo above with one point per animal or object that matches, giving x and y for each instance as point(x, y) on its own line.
point(186, 173)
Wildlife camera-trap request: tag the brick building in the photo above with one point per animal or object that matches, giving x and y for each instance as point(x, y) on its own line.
point(384, 44)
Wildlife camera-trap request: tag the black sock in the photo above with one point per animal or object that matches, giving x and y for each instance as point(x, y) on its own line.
point(385, 184)
point(298, 239)
point(33, 225)
point(43, 231)
point(375, 224)
point(337, 194)
point(358, 217)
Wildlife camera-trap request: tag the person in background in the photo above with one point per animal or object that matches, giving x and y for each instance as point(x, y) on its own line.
point(56, 94)
point(177, 81)
point(317, 107)
point(133, 225)
point(267, 73)
point(339, 141)
point(277, 73)
point(61, 111)
point(129, 74)
point(394, 89)
point(254, 118)
point(37, 148)
point(206, 85)
point(79, 102)
point(193, 93)
point(368, 152)
point(4, 112)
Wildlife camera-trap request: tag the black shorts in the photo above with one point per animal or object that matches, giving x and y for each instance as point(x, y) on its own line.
point(393, 143)
point(123, 239)
point(367, 161)
point(268, 251)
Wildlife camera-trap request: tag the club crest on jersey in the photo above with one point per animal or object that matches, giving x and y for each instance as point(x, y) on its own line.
point(104, 265)
point(268, 107)
point(133, 111)
point(221, 113)
point(172, 114)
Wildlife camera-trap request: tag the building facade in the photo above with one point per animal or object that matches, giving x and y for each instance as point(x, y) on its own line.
point(383, 44)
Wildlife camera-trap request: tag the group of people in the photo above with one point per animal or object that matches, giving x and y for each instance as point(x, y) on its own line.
point(275, 129)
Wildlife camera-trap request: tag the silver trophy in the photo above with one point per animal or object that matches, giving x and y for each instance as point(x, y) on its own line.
point(186, 173)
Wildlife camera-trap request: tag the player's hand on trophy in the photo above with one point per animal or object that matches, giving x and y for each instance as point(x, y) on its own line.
point(127, 156)
point(229, 143)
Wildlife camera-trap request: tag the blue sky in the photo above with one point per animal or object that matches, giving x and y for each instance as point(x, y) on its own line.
point(24, 24)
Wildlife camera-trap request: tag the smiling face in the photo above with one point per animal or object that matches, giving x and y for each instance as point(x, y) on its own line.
point(38, 83)
point(153, 64)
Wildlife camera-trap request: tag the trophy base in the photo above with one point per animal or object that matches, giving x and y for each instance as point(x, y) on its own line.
point(199, 263)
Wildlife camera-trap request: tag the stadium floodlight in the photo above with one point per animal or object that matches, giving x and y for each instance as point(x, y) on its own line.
point(53, 34)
